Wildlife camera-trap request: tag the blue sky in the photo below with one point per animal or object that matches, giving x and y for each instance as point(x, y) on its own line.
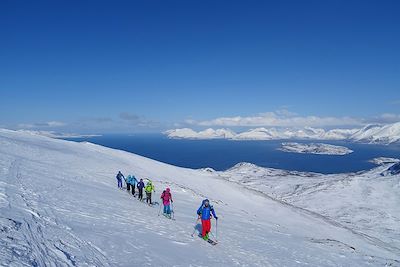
point(137, 66)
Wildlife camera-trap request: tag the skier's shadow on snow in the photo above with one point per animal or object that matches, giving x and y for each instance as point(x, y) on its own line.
point(198, 228)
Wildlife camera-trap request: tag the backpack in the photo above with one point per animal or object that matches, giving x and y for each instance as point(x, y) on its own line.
point(165, 196)
point(149, 187)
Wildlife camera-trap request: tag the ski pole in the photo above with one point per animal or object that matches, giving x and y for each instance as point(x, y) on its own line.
point(195, 226)
point(216, 230)
point(159, 210)
point(172, 210)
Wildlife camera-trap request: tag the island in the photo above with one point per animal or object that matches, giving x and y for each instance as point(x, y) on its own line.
point(315, 148)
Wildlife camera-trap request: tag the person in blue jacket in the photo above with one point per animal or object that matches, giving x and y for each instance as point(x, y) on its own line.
point(140, 187)
point(119, 179)
point(132, 181)
point(128, 185)
point(205, 213)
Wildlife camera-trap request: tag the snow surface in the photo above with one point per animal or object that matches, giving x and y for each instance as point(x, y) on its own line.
point(315, 148)
point(60, 206)
point(378, 134)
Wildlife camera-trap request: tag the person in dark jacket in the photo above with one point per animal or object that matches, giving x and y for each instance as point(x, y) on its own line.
point(204, 213)
point(119, 177)
point(140, 187)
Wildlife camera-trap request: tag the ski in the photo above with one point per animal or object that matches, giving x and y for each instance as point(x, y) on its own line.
point(209, 240)
point(169, 217)
point(212, 242)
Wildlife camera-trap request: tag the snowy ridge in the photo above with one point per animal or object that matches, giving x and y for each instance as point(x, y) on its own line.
point(386, 134)
point(59, 206)
point(379, 134)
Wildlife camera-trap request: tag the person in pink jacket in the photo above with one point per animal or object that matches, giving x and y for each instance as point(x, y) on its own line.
point(166, 198)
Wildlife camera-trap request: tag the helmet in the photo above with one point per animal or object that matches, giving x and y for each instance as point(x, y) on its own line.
point(206, 202)
point(168, 189)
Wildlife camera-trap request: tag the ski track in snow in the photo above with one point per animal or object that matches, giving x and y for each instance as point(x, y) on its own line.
point(59, 206)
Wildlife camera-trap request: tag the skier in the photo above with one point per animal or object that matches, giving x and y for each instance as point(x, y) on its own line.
point(140, 187)
point(132, 181)
point(119, 179)
point(166, 199)
point(204, 213)
point(149, 189)
point(127, 181)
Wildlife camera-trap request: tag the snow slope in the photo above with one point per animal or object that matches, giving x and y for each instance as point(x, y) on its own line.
point(315, 148)
point(59, 206)
point(365, 203)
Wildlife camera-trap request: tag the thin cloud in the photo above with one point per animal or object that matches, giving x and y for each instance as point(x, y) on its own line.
point(101, 119)
point(49, 124)
point(138, 121)
point(281, 118)
point(385, 118)
point(129, 116)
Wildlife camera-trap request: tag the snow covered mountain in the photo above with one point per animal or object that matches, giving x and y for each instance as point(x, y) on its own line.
point(60, 206)
point(378, 134)
point(386, 134)
point(263, 134)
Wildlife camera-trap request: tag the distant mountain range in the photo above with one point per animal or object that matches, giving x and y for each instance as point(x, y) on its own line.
point(373, 133)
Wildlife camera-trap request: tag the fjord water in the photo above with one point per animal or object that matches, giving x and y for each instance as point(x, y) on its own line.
point(223, 154)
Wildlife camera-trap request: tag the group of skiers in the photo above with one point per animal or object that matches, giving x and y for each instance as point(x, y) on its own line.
point(132, 182)
point(205, 212)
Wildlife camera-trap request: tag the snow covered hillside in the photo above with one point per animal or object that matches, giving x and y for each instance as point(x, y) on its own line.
point(60, 206)
point(366, 203)
point(315, 148)
point(386, 134)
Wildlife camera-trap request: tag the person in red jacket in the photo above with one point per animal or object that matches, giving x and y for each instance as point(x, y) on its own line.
point(167, 199)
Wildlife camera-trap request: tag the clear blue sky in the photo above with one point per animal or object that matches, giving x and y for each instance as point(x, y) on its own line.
point(109, 66)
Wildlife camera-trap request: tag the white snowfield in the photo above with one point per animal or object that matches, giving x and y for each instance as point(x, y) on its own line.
point(378, 134)
point(315, 148)
point(60, 206)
